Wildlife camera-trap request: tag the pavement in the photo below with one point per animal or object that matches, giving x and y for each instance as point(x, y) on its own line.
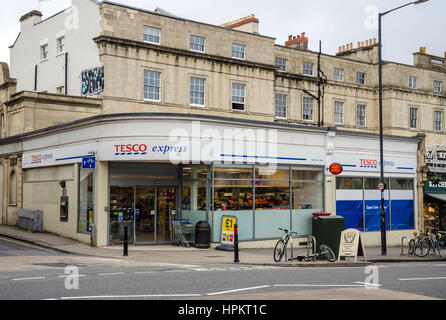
point(182, 255)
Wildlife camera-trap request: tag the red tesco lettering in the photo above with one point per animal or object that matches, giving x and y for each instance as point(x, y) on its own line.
point(126, 148)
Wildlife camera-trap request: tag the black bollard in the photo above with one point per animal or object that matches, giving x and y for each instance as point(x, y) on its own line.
point(126, 240)
point(236, 259)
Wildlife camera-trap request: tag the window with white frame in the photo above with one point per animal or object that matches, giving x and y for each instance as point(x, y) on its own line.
point(413, 121)
point(60, 44)
point(339, 74)
point(152, 85)
point(338, 112)
point(238, 51)
point(438, 87)
point(361, 115)
point(412, 82)
point(197, 91)
point(438, 120)
point(308, 69)
point(152, 35)
point(197, 43)
point(44, 51)
point(360, 78)
point(307, 109)
point(281, 105)
point(238, 96)
point(281, 64)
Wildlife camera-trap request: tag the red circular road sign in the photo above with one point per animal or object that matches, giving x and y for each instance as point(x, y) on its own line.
point(336, 169)
point(382, 186)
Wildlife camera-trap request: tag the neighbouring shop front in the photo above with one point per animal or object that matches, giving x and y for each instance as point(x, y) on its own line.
point(435, 203)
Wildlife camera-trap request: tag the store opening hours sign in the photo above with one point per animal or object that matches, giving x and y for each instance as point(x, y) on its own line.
point(228, 230)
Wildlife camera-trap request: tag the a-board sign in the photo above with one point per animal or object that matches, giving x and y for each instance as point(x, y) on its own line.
point(227, 230)
point(351, 245)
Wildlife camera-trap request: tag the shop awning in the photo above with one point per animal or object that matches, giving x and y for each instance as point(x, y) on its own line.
point(440, 196)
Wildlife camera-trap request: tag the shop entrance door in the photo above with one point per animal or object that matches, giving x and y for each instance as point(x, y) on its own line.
point(154, 211)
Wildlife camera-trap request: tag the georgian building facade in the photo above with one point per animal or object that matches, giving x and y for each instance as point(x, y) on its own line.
point(135, 62)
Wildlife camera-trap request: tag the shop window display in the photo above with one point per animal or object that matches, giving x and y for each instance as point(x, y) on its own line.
point(121, 213)
point(85, 215)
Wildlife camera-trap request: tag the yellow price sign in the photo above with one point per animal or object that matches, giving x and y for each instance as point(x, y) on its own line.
point(228, 224)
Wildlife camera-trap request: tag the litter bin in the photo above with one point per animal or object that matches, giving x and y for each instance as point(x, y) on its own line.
point(203, 235)
point(327, 230)
point(31, 220)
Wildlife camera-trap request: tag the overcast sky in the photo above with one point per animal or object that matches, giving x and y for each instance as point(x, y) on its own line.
point(334, 22)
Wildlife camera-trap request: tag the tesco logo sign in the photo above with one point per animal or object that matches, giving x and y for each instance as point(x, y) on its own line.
point(122, 149)
point(369, 163)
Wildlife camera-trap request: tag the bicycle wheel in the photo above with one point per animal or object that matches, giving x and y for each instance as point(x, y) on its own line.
point(421, 248)
point(327, 253)
point(411, 247)
point(279, 250)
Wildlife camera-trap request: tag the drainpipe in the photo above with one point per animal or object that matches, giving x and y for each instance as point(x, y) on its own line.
point(66, 73)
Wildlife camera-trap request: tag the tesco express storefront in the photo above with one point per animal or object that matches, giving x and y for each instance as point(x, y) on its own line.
point(151, 169)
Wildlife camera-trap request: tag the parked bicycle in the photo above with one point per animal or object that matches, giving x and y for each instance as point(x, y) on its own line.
point(281, 247)
point(422, 244)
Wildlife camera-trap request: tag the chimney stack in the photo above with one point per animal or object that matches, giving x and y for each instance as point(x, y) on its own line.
point(299, 42)
point(423, 50)
point(247, 24)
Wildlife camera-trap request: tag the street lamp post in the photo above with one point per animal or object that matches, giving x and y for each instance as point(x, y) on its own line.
point(381, 138)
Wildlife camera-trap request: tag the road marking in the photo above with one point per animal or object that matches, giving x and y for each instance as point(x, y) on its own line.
point(440, 265)
point(370, 284)
point(72, 275)
point(417, 279)
point(318, 285)
point(237, 290)
point(24, 279)
point(144, 272)
point(111, 274)
point(132, 296)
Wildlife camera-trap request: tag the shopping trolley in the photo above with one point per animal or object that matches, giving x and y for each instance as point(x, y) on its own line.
point(183, 232)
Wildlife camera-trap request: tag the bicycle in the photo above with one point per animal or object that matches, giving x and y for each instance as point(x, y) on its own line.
point(422, 244)
point(433, 243)
point(281, 245)
point(419, 245)
point(325, 253)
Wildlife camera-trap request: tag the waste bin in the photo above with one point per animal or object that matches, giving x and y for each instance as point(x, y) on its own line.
point(203, 235)
point(327, 230)
point(31, 220)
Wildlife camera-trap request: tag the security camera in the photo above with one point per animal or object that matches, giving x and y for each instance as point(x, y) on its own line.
point(62, 184)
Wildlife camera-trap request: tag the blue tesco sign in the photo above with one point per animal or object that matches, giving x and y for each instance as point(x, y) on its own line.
point(89, 163)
